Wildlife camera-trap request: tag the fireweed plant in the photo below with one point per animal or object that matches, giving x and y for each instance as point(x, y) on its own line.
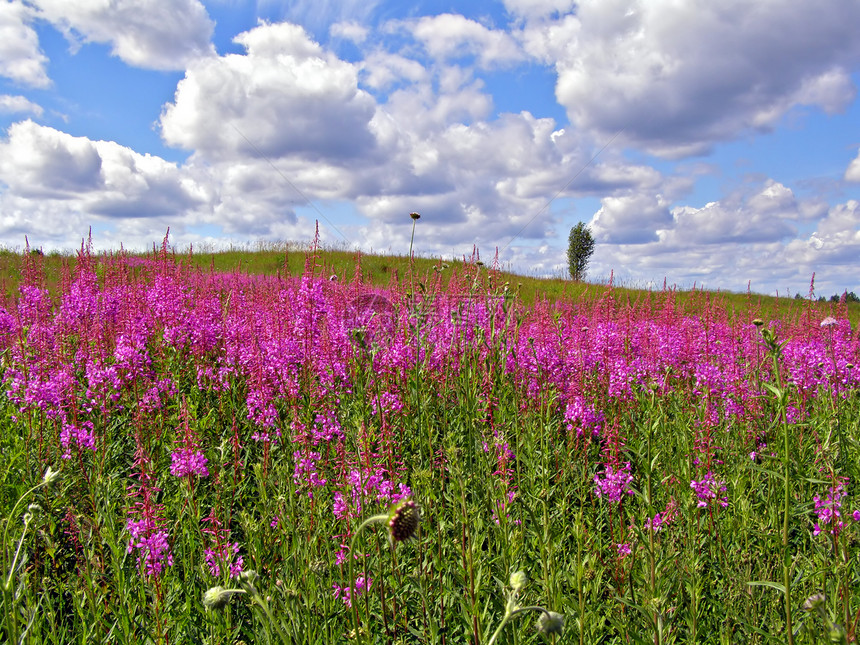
point(665, 474)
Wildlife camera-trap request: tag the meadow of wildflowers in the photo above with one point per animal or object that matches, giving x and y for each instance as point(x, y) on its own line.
point(189, 456)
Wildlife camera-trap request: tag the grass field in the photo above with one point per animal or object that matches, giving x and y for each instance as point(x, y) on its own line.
point(226, 448)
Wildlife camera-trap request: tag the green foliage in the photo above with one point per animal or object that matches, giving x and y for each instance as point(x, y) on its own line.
point(579, 250)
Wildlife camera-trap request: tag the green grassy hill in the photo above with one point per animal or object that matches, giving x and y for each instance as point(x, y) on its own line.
point(389, 270)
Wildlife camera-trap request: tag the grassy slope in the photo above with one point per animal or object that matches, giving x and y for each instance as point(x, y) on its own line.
point(386, 270)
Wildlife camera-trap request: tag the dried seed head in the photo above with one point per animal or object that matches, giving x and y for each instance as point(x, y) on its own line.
point(814, 602)
point(403, 520)
point(414, 216)
point(550, 622)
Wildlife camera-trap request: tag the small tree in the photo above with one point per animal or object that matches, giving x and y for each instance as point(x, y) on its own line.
point(579, 250)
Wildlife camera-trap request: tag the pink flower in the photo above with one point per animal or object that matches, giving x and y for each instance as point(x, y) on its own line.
point(708, 489)
point(188, 461)
point(362, 585)
point(828, 512)
point(614, 484)
point(663, 519)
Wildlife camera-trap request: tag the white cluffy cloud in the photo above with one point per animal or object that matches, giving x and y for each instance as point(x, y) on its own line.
point(81, 182)
point(752, 236)
point(18, 104)
point(21, 59)
point(288, 121)
point(852, 173)
point(451, 36)
point(285, 96)
point(678, 76)
point(152, 34)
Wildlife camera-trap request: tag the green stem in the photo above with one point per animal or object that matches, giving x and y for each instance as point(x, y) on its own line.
point(786, 566)
point(352, 595)
point(509, 616)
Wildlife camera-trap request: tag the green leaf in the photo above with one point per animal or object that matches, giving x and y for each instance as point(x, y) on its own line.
point(767, 583)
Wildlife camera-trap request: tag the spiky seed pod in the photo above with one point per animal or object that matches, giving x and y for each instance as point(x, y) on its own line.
point(403, 520)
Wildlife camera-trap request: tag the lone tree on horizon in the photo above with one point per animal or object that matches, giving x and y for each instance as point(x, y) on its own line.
point(579, 250)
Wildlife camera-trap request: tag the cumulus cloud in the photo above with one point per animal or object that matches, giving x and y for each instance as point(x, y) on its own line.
point(382, 70)
point(152, 34)
point(538, 8)
point(21, 59)
point(678, 76)
point(288, 121)
point(747, 236)
point(452, 36)
point(73, 181)
point(349, 30)
point(285, 96)
point(18, 104)
point(852, 173)
point(630, 219)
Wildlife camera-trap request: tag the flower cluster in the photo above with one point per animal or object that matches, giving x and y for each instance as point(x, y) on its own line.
point(828, 511)
point(362, 585)
point(305, 471)
point(708, 489)
point(148, 536)
point(81, 434)
point(614, 483)
point(365, 485)
point(222, 555)
point(661, 520)
point(188, 459)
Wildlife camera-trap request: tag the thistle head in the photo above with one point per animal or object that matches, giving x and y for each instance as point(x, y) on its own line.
point(403, 521)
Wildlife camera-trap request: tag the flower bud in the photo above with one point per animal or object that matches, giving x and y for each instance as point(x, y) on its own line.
point(218, 597)
point(518, 580)
point(50, 475)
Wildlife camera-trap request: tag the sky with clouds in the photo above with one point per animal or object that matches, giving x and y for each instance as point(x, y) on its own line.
point(707, 142)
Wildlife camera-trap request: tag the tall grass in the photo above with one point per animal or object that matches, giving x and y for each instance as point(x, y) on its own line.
point(662, 473)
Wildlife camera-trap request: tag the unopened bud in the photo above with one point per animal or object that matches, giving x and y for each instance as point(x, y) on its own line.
point(218, 597)
point(50, 475)
point(518, 580)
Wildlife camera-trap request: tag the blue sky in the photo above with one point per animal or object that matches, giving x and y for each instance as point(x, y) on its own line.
point(707, 143)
